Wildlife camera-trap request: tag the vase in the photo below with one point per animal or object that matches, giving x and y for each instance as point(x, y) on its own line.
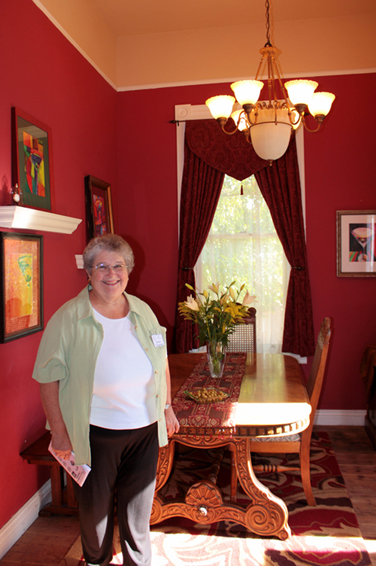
point(216, 354)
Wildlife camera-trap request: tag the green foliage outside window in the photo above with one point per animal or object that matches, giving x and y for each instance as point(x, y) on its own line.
point(243, 245)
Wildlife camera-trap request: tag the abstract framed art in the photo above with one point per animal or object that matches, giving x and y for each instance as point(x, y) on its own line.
point(31, 161)
point(21, 282)
point(356, 239)
point(99, 218)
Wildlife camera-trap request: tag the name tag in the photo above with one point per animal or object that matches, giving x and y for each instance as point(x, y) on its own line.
point(157, 340)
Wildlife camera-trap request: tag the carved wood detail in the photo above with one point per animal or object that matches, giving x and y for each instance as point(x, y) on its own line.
point(243, 430)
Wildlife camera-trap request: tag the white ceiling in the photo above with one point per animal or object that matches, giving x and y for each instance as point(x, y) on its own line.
point(138, 17)
point(139, 44)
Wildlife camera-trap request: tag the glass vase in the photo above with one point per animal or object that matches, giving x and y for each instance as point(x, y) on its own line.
point(216, 354)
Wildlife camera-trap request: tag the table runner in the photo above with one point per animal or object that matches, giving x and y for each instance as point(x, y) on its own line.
point(221, 414)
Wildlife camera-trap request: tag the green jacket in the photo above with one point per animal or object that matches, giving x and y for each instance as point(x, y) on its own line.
point(68, 353)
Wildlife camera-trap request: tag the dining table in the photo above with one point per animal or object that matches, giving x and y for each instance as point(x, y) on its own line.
point(266, 396)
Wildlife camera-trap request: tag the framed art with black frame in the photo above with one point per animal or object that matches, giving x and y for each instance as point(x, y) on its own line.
point(99, 218)
point(356, 238)
point(21, 285)
point(31, 161)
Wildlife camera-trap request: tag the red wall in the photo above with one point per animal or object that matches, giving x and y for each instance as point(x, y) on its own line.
point(340, 175)
point(126, 139)
point(44, 75)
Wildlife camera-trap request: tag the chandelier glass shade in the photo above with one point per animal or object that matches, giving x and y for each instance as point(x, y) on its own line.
point(268, 124)
point(271, 137)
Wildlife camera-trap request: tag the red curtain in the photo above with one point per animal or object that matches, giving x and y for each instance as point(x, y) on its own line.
point(201, 189)
point(280, 187)
point(209, 155)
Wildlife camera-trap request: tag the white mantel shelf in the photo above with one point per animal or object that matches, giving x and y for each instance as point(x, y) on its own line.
point(32, 219)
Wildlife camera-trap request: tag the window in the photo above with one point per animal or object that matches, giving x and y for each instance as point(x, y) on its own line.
point(243, 246)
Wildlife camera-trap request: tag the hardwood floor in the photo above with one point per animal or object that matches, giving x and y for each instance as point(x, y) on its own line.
point(357, 460)
point(49, 538)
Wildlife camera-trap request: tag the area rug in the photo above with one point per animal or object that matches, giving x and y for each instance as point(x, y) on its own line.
point(325, 535)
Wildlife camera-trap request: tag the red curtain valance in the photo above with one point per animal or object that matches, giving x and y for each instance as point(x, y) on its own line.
point(231, 155)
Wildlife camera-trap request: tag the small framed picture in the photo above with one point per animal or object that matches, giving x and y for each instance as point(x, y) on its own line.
point(99, 218)
point(31, 161)
point(21, 282)
point(356, 231)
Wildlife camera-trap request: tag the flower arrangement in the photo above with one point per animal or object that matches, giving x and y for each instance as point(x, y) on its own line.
point(216, 317)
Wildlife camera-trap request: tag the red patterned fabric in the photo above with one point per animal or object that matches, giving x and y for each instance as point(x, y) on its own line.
point(191, 413)
point(209, 151)
point(231, 155)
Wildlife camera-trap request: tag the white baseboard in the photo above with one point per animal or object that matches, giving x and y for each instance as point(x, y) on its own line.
point(340, 418)
point(21, 521)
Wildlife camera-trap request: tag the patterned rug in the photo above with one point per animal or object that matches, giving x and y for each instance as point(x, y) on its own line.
point(325, 535)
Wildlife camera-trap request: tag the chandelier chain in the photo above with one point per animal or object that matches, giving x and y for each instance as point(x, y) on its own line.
point(268, 43)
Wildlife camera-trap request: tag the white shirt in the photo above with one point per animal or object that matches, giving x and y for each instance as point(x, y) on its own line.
point(124, 395)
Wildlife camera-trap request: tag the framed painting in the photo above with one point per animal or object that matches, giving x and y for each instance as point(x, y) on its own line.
point(99, 218)
point(31, 161)
point(356, 238)
point(21, 281)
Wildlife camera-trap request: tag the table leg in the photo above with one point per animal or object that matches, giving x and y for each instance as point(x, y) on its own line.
point(165, 461)
point(57, 486)
point(71, 498)
point(267, 515)
point(164, 467)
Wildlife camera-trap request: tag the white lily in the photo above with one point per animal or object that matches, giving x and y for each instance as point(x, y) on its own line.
point(248, 299)
point(214, 287)
point(232, 293)
point(192, 303)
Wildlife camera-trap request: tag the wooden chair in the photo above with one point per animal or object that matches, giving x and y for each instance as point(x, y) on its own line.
point(244, 337)
point(300, 443)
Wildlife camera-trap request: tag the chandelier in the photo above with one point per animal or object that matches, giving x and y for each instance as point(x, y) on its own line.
point(268, 124)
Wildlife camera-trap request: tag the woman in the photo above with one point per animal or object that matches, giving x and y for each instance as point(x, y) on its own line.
point(105, 389)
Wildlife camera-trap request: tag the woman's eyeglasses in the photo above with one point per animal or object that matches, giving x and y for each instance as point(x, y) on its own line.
point(104, 268)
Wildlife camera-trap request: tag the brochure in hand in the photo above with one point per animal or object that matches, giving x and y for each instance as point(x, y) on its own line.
point(78, 473)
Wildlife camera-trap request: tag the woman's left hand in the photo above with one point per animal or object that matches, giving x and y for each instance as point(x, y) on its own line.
point(172, 422)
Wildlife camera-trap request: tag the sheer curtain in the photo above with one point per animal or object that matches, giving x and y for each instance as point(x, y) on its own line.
point(243, 245)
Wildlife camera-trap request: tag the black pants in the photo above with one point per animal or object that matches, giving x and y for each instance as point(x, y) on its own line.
point(123, 462)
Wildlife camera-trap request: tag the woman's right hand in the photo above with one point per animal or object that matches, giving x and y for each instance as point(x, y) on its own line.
point(61, 444)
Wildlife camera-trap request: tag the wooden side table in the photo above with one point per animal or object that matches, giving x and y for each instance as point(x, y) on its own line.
point(63, 499)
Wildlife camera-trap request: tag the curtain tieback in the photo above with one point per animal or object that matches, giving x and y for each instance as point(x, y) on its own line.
point(186, 268)
point(298, 267)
